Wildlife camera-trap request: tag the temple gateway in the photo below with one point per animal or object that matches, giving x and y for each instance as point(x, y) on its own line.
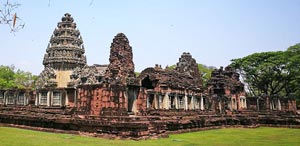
point(110, 99)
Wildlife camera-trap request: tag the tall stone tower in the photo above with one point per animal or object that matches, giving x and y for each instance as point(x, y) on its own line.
point(65, 50)
point(64, 53)
point(121, 64)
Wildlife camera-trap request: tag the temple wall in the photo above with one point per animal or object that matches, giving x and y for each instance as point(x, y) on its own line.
point(92, 99)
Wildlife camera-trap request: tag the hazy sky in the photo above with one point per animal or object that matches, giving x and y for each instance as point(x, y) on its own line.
point(159, 31)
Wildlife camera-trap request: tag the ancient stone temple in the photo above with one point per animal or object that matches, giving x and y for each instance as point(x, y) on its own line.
point(173, 89)
point(65, 52)
point(109, 99)
point(226, 90)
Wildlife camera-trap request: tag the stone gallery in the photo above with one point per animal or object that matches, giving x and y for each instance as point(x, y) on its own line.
point(111, 100)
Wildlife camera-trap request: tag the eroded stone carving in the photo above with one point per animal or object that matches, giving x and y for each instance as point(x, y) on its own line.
point(87, 75)
point(121, 65)
point(46, 78)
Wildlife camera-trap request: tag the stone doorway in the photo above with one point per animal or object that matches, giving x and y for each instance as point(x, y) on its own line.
point(132, 93)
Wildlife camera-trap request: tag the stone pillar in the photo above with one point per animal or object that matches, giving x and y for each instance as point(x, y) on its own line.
point(268, 103)
point(160, 101)
point(279, 104)
point(257, 104)
point(176, 102)
point(230, 104)
point(75, 97)
point(49, 95)
point(220, 107)
point(66, 99)
point(185, 102)
point(36, 98)
point(201, 103)
point(166, 103)
point(156, 98)
point(192, 105)
point(147, 101)
point(25, 99)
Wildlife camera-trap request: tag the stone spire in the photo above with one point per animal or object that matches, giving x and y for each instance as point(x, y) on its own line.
point(187, 64)
point(65, 50)
point(121, 64)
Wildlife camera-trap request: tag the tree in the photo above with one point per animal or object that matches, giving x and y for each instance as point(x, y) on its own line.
point(205, 72)
point(6, 77)
point(24, 80)
point(16, 79)
point(271, 73)
point(8, 16)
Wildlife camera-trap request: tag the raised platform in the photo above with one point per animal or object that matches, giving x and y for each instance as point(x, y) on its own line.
point(156, 123)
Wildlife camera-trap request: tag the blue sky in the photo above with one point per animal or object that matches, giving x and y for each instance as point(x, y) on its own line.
point(159, 31)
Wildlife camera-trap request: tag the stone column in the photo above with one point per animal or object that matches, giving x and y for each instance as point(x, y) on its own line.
point(160, 101)
point(185, 102)
point(192, 102)
point(67, 99)
point(257, 104)
point(156, 98)
point(49, 95)
point(220, 107)
point(201, 103)
point(36, 98)
point(279, 104)
point(75, 97)
point(166, 102)
point(147, 101)
point(268, 103)
point(176, 101)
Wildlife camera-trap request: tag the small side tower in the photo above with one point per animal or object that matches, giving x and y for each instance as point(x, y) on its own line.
point(121, 64)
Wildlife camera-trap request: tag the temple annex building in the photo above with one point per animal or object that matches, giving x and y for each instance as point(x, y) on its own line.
point(111, 100)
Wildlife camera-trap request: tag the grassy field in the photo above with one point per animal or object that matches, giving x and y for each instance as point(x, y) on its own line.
point(222, 137)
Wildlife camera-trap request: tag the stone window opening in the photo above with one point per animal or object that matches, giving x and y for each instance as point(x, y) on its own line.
point(172, 102)
point(10, 99)
point(21, 99)
point(43, 99)
point(243, 102)
point(181, 102)
point(56, 99)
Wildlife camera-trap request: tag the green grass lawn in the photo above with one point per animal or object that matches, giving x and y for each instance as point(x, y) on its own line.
point(221, 137)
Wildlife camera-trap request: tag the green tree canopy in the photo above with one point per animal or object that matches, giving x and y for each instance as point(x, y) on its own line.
point(6, 77)
point(271, 73)
point(9, 78)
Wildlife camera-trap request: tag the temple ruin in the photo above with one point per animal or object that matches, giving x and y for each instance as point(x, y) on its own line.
point(110, 100)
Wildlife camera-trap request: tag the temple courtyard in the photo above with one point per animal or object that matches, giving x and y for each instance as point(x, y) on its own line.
point(262, 136)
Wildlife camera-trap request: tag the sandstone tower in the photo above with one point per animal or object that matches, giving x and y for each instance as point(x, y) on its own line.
point(64, 53)
point(121, 64)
